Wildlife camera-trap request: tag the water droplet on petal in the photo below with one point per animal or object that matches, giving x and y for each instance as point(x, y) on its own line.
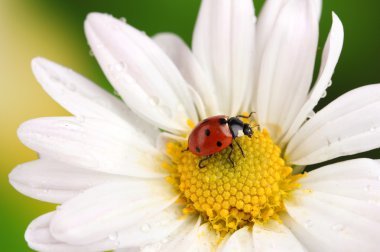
point(154, 100)
point(166, 110)
point(99, 45)
point(308, 224)
point(123, 19)
point(157, 246)
point(337, 227)
point(329, 84)
point(146, 227)
point(116, 93)
point(117, 244)
point(324, 94)
point(102, 102)
point(91, 53)
point(113, 236)
point(367, 188)
point(310, 115)
point(120, 66)
point(117, 67)
point(70, 86)
point(81, 118)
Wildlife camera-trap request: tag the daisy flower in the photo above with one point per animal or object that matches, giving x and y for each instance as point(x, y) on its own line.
point(118, 169)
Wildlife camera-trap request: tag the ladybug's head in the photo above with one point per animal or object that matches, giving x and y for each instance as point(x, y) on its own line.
point(247, 129)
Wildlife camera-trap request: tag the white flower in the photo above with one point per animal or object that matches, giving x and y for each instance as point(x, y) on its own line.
point(104, 166)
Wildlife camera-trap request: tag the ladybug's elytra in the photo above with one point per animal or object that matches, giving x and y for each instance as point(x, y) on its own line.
point(216, 133)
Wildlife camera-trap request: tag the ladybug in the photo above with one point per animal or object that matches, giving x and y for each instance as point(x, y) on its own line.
point(217, 133)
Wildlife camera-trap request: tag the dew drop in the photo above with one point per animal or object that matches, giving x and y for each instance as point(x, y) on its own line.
point(324, 94)
point(81, 118)
point(367, 188)
point(154, 100)
point(166, 110)
point(337, 227)
point(120, 66)
point(91, 53)
point(113, 236)
point(117, 67)
point(55, 78)
point(308, 224)
point(329, 84)
point(310, 115)
point(157, 246)
point(148, 248)
point(102, 102)
point(99, 45)
point(43, 182)
point(145, 228)
point(123, 19)
point(70, 86)
point(117, 244)
point(372, 129)
point(116, 93)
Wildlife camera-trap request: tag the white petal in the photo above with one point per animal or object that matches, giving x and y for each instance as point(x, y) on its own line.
point(358, 179)
point(103, 211)
point(183, 240)
point(331, 53)
point(39, 238)
point(239, 241)
point(156, 229)
point(274, 237)
point(83, 98)
point(339, 203)
point(188, 65)
point(287, 38)
point(223, 43)
point(348, 125)
point(56, 182)
point(206, 239)
point(317, 224)
point(140, 71)
point(93, 144)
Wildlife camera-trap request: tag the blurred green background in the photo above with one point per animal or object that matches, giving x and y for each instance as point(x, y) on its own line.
point(54, 29)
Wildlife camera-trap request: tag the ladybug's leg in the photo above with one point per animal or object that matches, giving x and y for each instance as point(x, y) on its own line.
point(243, 116)
point(241, 150)
point(229, 155)
point(202, 160)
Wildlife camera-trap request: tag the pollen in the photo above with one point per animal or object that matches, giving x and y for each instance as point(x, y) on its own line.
point(231, 196)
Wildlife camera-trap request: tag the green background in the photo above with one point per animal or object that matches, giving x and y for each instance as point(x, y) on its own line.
point(54, 29)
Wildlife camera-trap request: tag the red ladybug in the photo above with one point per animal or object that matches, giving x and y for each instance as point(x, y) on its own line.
point(215, 134)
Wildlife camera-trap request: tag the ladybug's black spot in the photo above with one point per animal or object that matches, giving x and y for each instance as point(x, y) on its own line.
point(222, 121)
point(207, 132)
point(197, 149)
point(219, 143)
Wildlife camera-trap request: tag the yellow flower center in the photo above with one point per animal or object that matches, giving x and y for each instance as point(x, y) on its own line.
point(231, 197)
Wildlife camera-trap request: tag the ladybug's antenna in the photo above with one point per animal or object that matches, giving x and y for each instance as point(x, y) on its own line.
point(200, 165)
point(246, 117)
